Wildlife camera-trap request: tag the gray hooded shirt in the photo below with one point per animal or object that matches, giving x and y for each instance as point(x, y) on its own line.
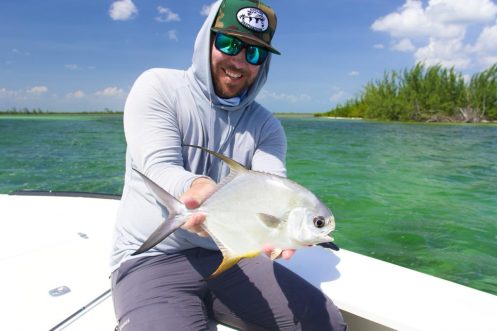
point(169, 108)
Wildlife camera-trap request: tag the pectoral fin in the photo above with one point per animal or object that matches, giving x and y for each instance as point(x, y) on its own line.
point(270, 221)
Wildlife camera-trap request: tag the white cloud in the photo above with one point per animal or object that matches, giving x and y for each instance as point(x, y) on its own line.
point(449, 52)
point(461, 11)
point(172, 35)
point(353, 73)
point(111, 91)
point(206, 9)
point(167, 15)
point(71, 66)
point(291, 98)
point(7, 93)
point(19, 52)
point(487, 41)
point(337, 95)
point(379, 46)
point(487, 61)
point(404, 45)
point(412, 21)
point(79, 94)
point(37, 90)
point(485, 47)
point(123, 10)
point(434, 31)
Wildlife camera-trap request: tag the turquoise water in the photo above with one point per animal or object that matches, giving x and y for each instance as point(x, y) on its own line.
point(422, 196)
point(62, 153)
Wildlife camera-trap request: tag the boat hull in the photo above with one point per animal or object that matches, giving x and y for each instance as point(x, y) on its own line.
point(66, 243)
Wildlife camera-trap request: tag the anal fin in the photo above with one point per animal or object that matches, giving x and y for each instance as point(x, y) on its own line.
point(230, 261)
point(229, 257)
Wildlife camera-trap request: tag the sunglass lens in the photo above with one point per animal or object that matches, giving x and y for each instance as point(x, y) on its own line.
point(256, 55)
point(227, 44)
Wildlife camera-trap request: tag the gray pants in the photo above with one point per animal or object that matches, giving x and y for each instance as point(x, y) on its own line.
point(170, 292)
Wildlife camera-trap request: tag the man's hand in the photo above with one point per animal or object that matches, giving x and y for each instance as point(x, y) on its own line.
point(199, 191)
point(285, 254)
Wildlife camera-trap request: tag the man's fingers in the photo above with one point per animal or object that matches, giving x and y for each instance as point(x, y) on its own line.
point(285, 254)
point(267, 249)
point(200, 189)
point(194, 225)
point(190, 203)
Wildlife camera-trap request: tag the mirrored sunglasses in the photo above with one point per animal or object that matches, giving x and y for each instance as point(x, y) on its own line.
point(229, 45)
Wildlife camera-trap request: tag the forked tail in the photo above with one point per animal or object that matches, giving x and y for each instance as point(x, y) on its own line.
point(175, 218)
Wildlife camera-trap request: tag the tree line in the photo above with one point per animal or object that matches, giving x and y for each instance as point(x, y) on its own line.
point(14, 110)
point(428, 94)
point(39, 111)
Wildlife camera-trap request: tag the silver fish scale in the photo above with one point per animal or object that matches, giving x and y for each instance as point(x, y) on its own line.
point(232, 211)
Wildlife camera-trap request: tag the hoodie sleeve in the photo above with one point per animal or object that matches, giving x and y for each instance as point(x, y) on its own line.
point(153, 136)
point(270, 153)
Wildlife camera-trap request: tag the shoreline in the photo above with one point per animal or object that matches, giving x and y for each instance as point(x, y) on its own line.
point(391, 121)
point(343, 118)
point(4, 114)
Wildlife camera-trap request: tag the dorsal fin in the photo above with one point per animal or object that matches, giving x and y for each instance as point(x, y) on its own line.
point(234, 166)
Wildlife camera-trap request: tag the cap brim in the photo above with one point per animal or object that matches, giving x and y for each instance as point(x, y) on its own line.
point(255, 40)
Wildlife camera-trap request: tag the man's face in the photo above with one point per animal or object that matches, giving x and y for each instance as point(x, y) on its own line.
point(231, 74)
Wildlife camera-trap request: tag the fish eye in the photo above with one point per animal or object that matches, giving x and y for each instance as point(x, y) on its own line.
point(319, 221)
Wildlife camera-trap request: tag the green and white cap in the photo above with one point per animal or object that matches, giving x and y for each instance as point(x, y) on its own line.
point(249, 19)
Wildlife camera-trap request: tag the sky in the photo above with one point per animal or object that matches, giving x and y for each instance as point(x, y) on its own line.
point(84, 55)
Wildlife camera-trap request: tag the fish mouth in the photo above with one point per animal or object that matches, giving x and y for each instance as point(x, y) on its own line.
point(326, 237)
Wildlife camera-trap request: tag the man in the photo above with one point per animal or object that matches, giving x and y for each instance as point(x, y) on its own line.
point(212, 105)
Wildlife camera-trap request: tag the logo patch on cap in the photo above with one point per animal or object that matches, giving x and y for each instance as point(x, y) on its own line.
point(253, 18)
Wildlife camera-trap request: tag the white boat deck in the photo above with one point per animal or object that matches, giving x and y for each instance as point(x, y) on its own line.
point(50, 242)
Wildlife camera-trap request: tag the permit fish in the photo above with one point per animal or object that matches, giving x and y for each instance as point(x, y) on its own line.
point(249, 209)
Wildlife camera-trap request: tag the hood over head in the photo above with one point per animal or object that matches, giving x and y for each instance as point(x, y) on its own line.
point(200, 70)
